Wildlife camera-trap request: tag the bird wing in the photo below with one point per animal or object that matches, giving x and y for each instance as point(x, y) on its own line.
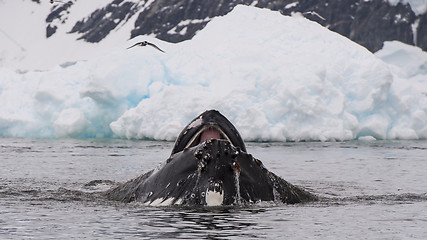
point(151, 44)
point(136, 44)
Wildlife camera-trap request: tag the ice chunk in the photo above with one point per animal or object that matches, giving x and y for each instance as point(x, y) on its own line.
point(277, 78)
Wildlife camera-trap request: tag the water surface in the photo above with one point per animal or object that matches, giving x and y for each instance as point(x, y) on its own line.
point(50, 189)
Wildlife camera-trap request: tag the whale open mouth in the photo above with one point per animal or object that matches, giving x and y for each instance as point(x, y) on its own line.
point(207, 132)
point(209, 125)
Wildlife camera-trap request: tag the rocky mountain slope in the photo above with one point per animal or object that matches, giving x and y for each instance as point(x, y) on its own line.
point(368, 23)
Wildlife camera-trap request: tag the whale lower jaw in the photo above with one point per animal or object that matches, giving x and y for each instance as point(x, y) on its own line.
point(213, 173)
point(214, 196)
point(162, 202)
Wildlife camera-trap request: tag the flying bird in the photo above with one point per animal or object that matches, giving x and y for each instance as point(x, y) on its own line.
point(145, 43)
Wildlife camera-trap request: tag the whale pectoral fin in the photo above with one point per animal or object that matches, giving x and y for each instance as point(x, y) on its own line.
point(289, 193)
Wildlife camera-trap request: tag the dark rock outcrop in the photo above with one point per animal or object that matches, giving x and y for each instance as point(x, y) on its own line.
point(100, 23)
point(421, 39)
point(368, 23)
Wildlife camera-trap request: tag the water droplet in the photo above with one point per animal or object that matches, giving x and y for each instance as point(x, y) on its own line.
point(235, 153)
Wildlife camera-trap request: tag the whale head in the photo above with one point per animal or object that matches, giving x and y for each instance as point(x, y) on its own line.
point(209, 166)
point(209, 125)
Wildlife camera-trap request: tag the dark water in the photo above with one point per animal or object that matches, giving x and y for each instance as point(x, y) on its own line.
point(50, 189)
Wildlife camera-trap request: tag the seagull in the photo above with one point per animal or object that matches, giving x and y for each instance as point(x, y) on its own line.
point(145, 43)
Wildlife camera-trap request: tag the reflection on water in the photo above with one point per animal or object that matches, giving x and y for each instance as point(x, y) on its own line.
point(184, 223)
point(51, 189)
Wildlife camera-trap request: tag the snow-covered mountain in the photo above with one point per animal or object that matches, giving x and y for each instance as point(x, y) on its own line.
point(368, 23)
point(30, 29)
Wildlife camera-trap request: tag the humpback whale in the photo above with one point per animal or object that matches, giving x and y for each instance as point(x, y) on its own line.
point(209, 166)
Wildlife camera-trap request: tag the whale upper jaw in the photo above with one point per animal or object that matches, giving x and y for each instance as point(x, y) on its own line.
point(209, 124)
point(208, 131)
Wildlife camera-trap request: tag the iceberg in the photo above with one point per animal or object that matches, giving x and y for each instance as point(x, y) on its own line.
point(277, 78)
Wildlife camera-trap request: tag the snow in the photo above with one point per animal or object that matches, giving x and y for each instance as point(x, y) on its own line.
point(25, 47)
point(277, 78)
point(418, 6)
point(291, 5)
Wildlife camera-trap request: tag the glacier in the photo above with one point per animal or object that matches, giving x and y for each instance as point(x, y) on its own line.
point(277, 78)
